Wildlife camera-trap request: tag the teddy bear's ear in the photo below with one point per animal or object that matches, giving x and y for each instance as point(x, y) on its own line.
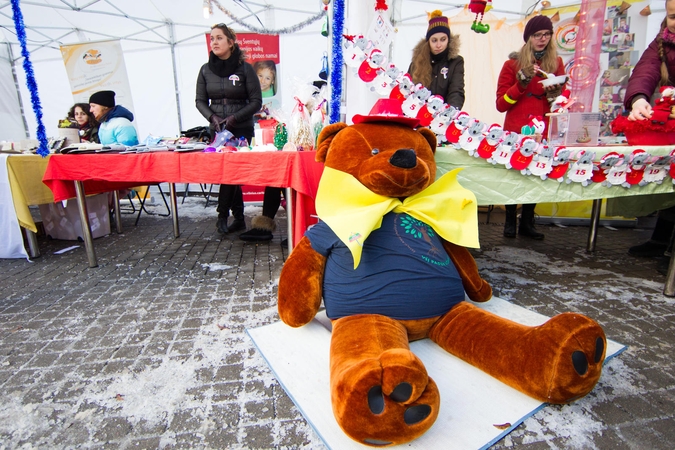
point(326, 137)
point(430, 136)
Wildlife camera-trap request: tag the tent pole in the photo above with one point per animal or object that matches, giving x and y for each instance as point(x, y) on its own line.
point(18, 90)
point(172, 43)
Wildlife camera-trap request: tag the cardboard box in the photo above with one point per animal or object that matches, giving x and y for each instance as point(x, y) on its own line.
point(63, 222)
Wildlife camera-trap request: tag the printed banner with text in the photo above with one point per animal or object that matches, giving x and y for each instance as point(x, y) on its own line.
point(97, 66)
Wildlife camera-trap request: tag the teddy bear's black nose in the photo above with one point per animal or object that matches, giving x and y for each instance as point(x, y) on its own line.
point(404, 158)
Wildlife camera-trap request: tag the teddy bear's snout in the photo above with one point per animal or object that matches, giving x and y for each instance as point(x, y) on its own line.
point(405, 158)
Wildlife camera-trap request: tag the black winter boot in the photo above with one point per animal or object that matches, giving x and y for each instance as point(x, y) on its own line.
point(510, 222)
point(221, 225)
point(526, 226)
point(261, 229)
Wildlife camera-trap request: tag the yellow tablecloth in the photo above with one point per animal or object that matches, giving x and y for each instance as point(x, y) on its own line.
point(497, 185)
point(25, 174)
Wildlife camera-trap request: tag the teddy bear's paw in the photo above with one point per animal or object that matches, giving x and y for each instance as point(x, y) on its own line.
point(578, 365)
point(392, 419)
point(387, 400)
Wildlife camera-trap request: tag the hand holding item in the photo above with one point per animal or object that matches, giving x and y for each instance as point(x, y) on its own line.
point(216, 121)
point(641, 110)
point(553, 91)
point(230, 122)
point(524, 77)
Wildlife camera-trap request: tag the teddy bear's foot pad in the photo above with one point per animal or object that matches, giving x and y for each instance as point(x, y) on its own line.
point(580, 362)
point(401, 394)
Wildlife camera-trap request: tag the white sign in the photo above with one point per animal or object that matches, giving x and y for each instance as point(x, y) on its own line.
point(97, 66)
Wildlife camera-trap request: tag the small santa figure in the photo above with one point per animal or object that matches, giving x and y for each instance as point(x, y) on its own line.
point(562, 102)
point(664, 105)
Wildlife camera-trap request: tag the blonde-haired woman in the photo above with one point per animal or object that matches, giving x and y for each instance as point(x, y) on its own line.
point(520, 95)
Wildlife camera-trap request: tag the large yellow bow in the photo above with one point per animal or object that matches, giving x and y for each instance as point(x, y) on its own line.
point(353, 211)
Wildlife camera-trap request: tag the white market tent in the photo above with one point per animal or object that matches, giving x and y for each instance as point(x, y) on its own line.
point(164, 45)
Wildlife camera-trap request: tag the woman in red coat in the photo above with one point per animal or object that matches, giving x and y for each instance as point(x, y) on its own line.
point(521, 95)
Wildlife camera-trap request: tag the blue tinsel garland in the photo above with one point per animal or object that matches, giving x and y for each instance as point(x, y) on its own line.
point(43, 150)
point(337, 61)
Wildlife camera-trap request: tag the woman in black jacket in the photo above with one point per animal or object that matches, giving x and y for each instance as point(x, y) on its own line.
point(437, 64)
point(228, 95)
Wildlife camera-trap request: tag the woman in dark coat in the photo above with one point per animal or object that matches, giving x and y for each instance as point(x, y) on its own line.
point(437, 64)
point(228, 95)
point(655, 68)
point(86, 122)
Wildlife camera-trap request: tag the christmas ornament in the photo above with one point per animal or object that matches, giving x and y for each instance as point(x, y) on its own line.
point(480, 7)
point(324, 27)
point(381, 5)
point(280, 135)
point(324, 67)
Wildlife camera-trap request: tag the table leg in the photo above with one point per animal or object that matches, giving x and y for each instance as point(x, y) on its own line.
point(33, 249)
point(669, 288)
point(595, 219)
point(289, 215)
point(174, 209)
point(118, 215)
point(84, 220)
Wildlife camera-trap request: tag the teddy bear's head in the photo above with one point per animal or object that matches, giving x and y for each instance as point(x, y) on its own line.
point(385, 154)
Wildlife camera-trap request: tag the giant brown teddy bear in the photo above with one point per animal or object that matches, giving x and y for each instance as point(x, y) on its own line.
point(380, 391)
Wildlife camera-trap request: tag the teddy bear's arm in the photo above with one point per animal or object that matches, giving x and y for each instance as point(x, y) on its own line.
point(300, 285)
point(477, 289)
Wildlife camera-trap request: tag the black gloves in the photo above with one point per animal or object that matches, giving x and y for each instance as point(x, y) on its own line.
point(230, 122)
point(216, 121)
point(219, 123)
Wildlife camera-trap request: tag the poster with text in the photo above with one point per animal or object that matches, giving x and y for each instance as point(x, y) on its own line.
point(97, 66)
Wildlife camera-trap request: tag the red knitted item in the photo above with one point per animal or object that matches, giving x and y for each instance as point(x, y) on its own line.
point(644, 132)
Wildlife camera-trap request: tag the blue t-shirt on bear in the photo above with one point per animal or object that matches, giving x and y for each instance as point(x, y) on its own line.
point(405, 273)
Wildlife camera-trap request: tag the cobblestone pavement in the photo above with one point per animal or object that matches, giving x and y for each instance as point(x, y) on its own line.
point(149, 349)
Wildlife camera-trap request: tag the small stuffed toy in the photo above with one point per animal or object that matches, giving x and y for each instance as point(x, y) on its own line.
point(389, 259)
point(415, 101)
point(505, 148)
point(560, 163)
point(403, 89)
point(493, 136)
point(581, 169)
point(663, 107)
point(657, 170)
point(370, 67)
point(637, 164)
point(355, 50)
point(542, 163)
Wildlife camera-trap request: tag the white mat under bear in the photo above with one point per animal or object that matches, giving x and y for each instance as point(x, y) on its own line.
point(476, 409)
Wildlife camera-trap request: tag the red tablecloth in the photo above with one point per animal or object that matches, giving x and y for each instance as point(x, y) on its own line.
point(108, 172)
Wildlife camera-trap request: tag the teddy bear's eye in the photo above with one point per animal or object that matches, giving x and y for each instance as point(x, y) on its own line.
point(375, 151)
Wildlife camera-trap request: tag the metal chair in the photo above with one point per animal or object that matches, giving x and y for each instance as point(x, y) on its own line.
point(142, 207)
point(207, 195)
